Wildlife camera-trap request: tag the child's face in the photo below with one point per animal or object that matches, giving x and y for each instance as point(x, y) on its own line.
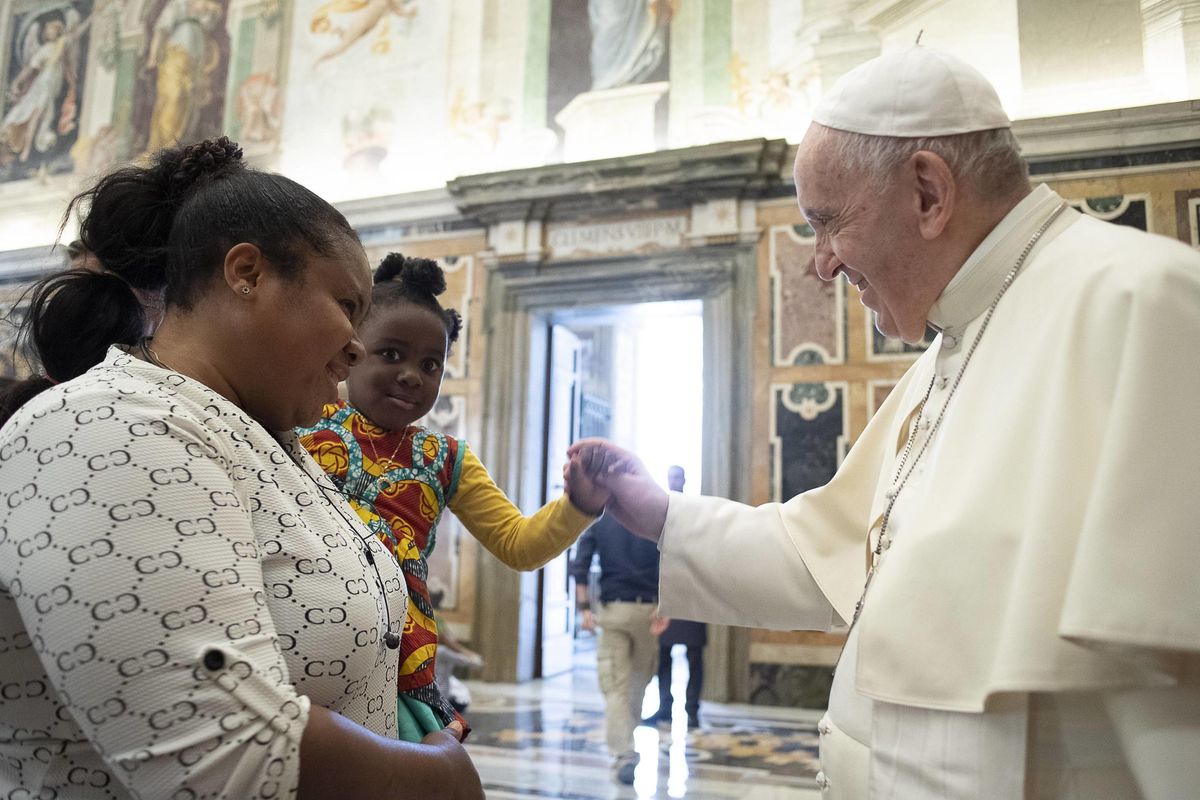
point(399, 380)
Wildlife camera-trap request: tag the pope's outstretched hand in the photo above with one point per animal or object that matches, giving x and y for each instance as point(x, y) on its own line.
point(637, 501)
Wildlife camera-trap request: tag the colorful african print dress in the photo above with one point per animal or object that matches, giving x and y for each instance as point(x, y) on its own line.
point(399, 483)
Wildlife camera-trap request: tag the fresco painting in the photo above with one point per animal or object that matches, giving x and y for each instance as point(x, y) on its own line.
point(43, 87)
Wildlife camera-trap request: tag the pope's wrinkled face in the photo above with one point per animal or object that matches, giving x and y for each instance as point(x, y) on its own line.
point(866, 231)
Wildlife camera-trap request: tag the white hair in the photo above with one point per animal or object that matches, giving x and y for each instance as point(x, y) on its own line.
point(990, 160)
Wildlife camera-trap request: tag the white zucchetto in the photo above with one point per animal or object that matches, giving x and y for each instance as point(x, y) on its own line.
point(919, 92)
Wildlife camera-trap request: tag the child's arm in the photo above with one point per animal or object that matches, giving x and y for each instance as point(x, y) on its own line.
point(521, 542)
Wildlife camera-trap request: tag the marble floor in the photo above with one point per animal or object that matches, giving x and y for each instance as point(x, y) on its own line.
point(545, 739)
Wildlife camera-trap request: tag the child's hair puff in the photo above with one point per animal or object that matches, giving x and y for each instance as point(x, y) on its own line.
point(417, 281)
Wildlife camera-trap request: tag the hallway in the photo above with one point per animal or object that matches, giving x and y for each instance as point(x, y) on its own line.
point(545, 739)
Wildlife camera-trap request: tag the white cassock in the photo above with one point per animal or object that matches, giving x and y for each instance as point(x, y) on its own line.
point(1033, 627)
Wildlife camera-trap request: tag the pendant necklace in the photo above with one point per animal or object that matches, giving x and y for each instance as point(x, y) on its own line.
point(902, 476)
point(365, 481)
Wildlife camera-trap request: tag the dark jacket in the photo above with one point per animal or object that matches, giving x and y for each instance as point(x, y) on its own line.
point(628, 564)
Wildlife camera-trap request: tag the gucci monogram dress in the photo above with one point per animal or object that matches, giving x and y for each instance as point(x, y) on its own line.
point(177, 587)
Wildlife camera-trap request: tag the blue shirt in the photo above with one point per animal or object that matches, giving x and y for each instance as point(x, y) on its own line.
point(628, 563)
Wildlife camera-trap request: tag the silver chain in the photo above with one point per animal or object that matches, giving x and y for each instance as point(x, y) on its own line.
point(902, 476)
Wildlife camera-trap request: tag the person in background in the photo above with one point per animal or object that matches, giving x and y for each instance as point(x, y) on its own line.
point(174, 569)
point(400, 475)
point(693, 636)
point(626, 615)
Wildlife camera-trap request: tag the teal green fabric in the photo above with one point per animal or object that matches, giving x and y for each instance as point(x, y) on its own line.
point(414, 719)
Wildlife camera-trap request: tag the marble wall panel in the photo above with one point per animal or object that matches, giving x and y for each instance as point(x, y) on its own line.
point(808, 315)
point(1121, 209)
point(809, 435)
point(790, 685)
point(1187, 216)
point(877, 392)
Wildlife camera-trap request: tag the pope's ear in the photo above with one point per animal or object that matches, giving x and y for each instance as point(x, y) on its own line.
point(936, 192)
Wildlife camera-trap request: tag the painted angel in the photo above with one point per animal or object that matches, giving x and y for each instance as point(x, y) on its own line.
point(366, 16)
point(49, 59)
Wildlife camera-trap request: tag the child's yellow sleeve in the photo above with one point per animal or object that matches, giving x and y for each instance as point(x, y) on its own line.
point(521, 542)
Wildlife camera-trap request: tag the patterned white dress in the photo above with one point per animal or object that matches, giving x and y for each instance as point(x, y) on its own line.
point(177, 586)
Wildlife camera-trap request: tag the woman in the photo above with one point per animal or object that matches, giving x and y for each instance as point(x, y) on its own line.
point(189, 607)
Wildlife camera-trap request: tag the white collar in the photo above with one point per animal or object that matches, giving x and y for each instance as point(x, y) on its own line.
point(978, 280)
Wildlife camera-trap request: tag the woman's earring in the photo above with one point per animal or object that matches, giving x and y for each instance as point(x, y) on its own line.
point(245, 290)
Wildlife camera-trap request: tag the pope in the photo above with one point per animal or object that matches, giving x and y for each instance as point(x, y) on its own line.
point(1023, 510)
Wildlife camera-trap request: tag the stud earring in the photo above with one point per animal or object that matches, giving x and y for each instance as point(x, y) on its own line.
point(245, 290)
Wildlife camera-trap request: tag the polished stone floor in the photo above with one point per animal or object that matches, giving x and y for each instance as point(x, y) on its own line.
point(545, 739)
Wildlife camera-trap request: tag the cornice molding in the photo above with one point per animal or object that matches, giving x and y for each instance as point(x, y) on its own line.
point(1121, 131)
point(667, 179)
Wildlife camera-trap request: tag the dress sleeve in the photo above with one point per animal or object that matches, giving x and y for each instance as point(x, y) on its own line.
point(132, 563)
point(521, 542)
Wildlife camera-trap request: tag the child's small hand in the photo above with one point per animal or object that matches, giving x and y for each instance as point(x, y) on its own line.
point(585, 492)
point(658, 625)
point(635, 500)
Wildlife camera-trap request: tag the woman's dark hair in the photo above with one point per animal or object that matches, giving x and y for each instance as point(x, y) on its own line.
point(164, 227)
point(415, 281)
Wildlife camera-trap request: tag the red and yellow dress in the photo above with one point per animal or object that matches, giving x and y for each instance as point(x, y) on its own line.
point(399, 482)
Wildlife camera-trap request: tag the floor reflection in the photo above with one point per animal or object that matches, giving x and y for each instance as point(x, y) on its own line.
point(546, 739)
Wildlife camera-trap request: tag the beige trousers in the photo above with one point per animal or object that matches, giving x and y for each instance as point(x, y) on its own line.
point(626, 659)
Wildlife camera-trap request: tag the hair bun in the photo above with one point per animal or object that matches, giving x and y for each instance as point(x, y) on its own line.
point(422, 275)
point(203, 158)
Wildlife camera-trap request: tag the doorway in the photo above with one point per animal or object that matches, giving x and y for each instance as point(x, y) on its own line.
point(631, 373)
point(523, 299)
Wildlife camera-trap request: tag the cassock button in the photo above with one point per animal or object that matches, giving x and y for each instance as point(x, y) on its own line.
point(949, 342)
point(886, 543)
point(822, 781)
